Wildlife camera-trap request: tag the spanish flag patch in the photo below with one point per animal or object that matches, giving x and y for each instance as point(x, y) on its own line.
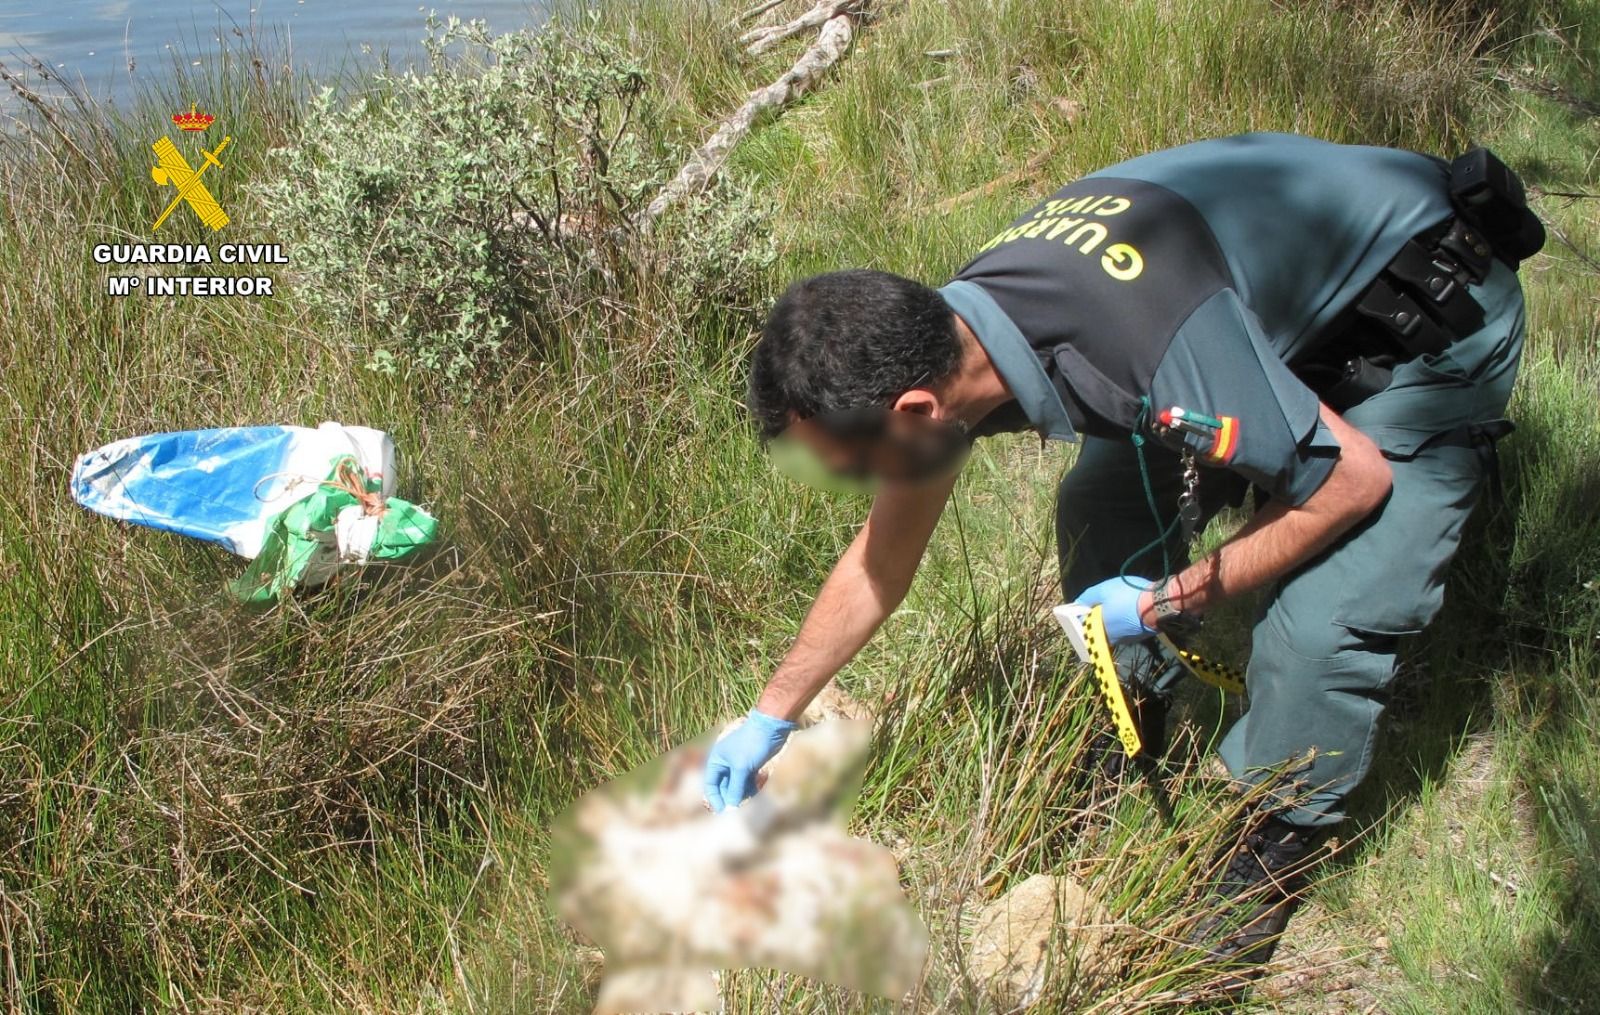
point(1217, 436)
point(1226, 439)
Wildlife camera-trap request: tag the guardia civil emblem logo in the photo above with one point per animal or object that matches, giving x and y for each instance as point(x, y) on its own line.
point(173, 170)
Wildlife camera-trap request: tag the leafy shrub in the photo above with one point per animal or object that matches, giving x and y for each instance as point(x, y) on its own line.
point(461, 213)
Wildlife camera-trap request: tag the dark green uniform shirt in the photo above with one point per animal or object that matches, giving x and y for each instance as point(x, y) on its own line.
point(1191, 278)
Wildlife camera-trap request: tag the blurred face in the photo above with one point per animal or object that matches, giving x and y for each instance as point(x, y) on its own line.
point(860, 450)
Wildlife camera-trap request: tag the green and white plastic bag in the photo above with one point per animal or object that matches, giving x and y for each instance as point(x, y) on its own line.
point(345, 520)
point(300, 502)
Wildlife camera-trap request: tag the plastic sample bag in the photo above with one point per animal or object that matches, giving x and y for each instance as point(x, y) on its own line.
point(298, 502)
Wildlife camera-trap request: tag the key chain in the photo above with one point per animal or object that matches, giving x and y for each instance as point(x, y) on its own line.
point(1189, 500)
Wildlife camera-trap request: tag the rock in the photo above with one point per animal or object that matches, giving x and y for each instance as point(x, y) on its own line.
point(1010, 950)
point(1069, 110)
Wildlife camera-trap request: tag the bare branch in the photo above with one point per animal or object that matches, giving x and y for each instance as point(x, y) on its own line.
point(1583, 255)
point(831, 45)
point(759, 40)
point(757, 11)
point(1549, 90)
point(1021, 175)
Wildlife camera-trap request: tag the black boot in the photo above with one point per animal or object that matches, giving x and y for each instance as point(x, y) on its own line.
point(1257, 888)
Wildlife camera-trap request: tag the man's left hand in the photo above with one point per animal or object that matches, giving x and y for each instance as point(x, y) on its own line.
point(737, 757)
point(1121, 603)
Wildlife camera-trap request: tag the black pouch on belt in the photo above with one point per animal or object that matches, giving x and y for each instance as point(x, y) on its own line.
point(1486, 191)
point(1360, 379)
point(1419, 304)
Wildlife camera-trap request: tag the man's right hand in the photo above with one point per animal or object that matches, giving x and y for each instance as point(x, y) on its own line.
point(734, 760)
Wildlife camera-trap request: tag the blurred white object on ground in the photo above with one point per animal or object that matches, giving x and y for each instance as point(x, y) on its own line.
point(672, 892)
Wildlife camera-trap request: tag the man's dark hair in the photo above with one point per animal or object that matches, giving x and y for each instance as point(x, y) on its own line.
point(848, 340)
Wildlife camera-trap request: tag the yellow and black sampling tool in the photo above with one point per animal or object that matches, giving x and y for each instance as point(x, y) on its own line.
point(1086, 629)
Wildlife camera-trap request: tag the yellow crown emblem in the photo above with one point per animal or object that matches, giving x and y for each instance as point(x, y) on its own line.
point(193, 120)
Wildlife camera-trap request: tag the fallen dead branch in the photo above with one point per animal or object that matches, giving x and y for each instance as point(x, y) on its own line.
point(756, 11)
point(1589, 260)
point(1549, 90)
point(1023, 174)
point(1575, 195)
point(831, 45)
point(759, 40)
point(1068, 109)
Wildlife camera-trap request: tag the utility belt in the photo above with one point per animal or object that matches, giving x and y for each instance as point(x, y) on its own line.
point(1419, 303)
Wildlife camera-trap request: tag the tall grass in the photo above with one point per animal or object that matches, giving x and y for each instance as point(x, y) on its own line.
point(340, 804)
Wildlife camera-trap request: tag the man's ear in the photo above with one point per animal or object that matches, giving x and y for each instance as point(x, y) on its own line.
point(920, 401)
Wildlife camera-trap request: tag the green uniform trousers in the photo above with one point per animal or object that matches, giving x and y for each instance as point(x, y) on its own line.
point(1323, 647)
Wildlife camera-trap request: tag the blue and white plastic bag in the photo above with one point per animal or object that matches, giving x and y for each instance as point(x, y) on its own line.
point(235, 486)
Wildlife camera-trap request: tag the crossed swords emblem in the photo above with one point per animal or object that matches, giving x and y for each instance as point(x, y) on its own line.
point(174, 170)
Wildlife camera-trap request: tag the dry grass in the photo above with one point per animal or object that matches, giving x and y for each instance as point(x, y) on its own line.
point(340, 804)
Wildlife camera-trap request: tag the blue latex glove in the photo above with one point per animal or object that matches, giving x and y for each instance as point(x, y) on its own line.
point(1118, 599)
point(734, 760)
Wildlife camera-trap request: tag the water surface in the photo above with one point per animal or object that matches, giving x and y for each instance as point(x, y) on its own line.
point(112, 47)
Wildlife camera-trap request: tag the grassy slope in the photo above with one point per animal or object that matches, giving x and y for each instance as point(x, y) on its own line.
point(339, 804)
